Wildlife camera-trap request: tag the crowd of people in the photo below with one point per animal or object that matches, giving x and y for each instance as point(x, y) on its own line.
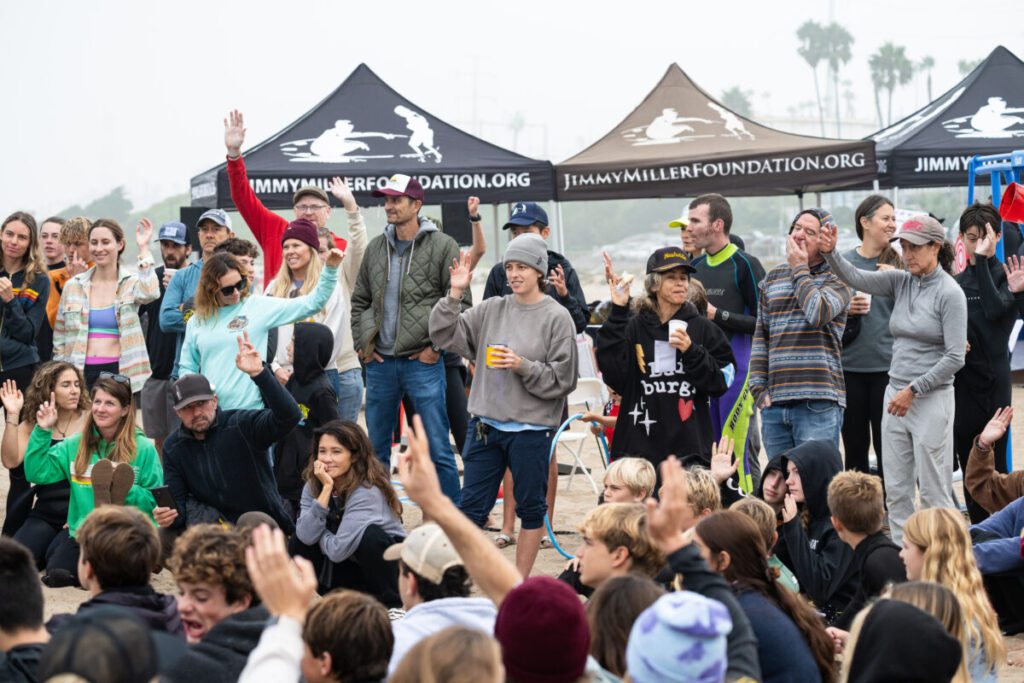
point(173, 417)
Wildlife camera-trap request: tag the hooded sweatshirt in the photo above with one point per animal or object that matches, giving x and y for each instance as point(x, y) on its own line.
point(824, 565)
point(21, 318)
point(19, 664)
point(312, 390)
point(221, 655)
point(879, 564)
point(665, 405)
point(159, 611)
point(427, 618)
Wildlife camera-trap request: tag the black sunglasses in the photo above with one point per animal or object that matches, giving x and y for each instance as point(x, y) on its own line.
point(237, 287)
point(120, 379)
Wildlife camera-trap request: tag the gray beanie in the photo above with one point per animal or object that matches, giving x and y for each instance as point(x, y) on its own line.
point(528, 249)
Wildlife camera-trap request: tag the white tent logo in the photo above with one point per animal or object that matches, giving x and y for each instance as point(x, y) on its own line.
point(992, 120)
point(669, 128)
point(343, 144)
point(903, 129)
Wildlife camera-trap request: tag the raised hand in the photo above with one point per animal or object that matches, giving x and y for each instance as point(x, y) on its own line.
point(556, 278)
point(796, 254)
point(343, 193)
point(992, 432)
point(248, 359)
point(987, 243)
point(828, 237)
point(234, 133)
point(285, 585)
point(461, 275)
point(12, 399)
point(416, 470)
point(723, 463)
point(144, 234)
point(665, 519)
point(473, 206)
point(334, 257)
point(618, 286)
point(46, 418)
point(1014, 269)
point(76, 265)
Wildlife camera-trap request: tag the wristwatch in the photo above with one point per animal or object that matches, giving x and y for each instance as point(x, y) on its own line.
point(475, 219)
point(435, 348)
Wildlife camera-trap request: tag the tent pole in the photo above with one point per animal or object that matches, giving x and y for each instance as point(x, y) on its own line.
point(497, 233)
point(800, 198)
point(874, 185)
point(561, 228)
point(896, 196)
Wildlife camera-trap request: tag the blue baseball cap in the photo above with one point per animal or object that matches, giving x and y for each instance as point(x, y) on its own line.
point(218, 216)
point(174, 231)
point(526, 213)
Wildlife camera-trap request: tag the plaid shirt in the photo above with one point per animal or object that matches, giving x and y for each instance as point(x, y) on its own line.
point(71, 331)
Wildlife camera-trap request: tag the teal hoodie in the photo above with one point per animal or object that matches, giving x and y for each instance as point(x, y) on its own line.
point(211, 345)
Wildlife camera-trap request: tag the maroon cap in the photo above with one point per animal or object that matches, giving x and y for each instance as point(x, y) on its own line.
point(400, 185)
point(304, 230)
point(543, 632)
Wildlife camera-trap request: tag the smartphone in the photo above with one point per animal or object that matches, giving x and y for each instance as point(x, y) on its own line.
point(163, 496)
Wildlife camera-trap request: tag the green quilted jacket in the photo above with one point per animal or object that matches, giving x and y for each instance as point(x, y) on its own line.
point(425, 279)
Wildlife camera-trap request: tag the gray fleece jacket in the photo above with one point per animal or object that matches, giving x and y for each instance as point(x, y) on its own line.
point(928, 323)
point(364, 506)
point(542, 334)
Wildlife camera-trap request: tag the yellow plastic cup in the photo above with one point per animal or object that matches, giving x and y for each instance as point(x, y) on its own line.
point(491, 355)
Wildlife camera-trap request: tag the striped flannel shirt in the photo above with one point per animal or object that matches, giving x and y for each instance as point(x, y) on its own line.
point(797, 353)
point(71, 331)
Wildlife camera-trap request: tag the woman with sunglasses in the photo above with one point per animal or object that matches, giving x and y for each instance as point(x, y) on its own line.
point(223, 311)
point(110, 461)
point(97, 325)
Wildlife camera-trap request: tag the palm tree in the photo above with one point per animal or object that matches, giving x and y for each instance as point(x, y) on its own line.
point(966, 66)
point(836, 48)
point(812, 49)
point(890, 67)
point(738, 99)
point(878, 82)
point(926, 65)
point(516, 125)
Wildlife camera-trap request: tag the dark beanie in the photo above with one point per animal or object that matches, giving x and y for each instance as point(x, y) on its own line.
point(899, 643)
point(543, 632)
point(304, 230)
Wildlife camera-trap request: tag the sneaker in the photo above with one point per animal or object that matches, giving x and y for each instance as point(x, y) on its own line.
point(102, 476)
point(121, 483)
point(60, 578)
point(396, 614)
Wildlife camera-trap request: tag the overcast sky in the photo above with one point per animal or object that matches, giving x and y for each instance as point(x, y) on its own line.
point(104, 93)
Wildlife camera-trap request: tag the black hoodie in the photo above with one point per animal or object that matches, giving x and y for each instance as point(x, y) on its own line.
point(222, 653)
point(20, 663)
point(312, 390)
point(159, 611)
point(900, 643)
point(663, 413)
point(822, 563)
point(879, 564)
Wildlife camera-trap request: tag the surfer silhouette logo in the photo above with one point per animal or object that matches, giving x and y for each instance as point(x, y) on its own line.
point(733, 126)
point(422, 138)
point(340, 144)
point(992, 120)
point(667, 128)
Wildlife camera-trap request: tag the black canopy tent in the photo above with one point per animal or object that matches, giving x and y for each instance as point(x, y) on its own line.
point(982, 114)
point(365, 131)
point(680, 141)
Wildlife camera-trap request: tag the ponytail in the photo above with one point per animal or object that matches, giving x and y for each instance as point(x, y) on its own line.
point(946, 256)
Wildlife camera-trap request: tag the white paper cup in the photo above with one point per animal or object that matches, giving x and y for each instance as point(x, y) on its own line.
point(674, 325)
point(866, 297)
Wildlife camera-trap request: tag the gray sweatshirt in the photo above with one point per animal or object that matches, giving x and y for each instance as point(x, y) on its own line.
point(542, 334)
point(928, 323)
point(364, 506)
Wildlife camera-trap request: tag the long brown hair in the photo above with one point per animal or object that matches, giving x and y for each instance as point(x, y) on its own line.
point(124, 441)
point(115, 229)
point(736, 534)
point(33, 258)
point(214, 268)
point(44, 382)
point(867, 210)
point(365, 468)
point(611, 613)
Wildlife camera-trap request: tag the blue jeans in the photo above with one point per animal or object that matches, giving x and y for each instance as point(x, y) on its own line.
point(487, 457)
point(424, 384)
point(789, 424)
point(348, 386)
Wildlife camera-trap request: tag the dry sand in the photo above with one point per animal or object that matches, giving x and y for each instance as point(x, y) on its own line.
point(571, 506)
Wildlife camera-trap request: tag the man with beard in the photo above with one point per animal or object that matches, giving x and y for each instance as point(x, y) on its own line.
point(158, 418)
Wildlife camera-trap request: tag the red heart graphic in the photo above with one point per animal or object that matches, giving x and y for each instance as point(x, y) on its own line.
point(685, 409)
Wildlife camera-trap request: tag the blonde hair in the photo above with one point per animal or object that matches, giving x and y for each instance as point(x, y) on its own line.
point(636, 474)
point(454, 655)
point(942, 536)
point(281, 285)
point(763, 516)
point(857, 501)
point(704, 493)
point(32, 260)
point(938, 601)
point(624, 525)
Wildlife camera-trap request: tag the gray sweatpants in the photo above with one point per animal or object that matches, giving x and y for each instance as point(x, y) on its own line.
point(918, 448)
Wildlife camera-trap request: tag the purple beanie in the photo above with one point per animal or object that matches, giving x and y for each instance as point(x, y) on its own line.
point(303, 230)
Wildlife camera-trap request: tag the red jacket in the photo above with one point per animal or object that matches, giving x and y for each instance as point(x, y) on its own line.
point(267, 227)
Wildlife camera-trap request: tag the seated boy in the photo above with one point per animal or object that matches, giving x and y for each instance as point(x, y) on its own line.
point(857, 503)
point(990, 489)
point(629, 480)
point(22, 636)
point(120, 552)
point(764, 516)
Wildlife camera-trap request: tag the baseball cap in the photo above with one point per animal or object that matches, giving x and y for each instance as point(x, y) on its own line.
point(526, 213)
point(426, 551)
point(400, 185)
point(669, 258)
point(174, 231)
point(192, 388)
point(314, 190)
point(681, 222)
point(919, 230)
point(218, 216)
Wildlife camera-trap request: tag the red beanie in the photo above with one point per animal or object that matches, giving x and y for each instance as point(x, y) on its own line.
point(543, 632)
point(304, 230)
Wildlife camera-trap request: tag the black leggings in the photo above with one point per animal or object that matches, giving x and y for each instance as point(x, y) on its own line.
point(19, 495)
point(862, 423)
point(93, 372)
point(37, 535)
point(973, 412)
point(63, 554)
point(366, 570)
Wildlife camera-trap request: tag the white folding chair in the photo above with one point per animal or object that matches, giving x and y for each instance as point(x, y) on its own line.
point(589, 395)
